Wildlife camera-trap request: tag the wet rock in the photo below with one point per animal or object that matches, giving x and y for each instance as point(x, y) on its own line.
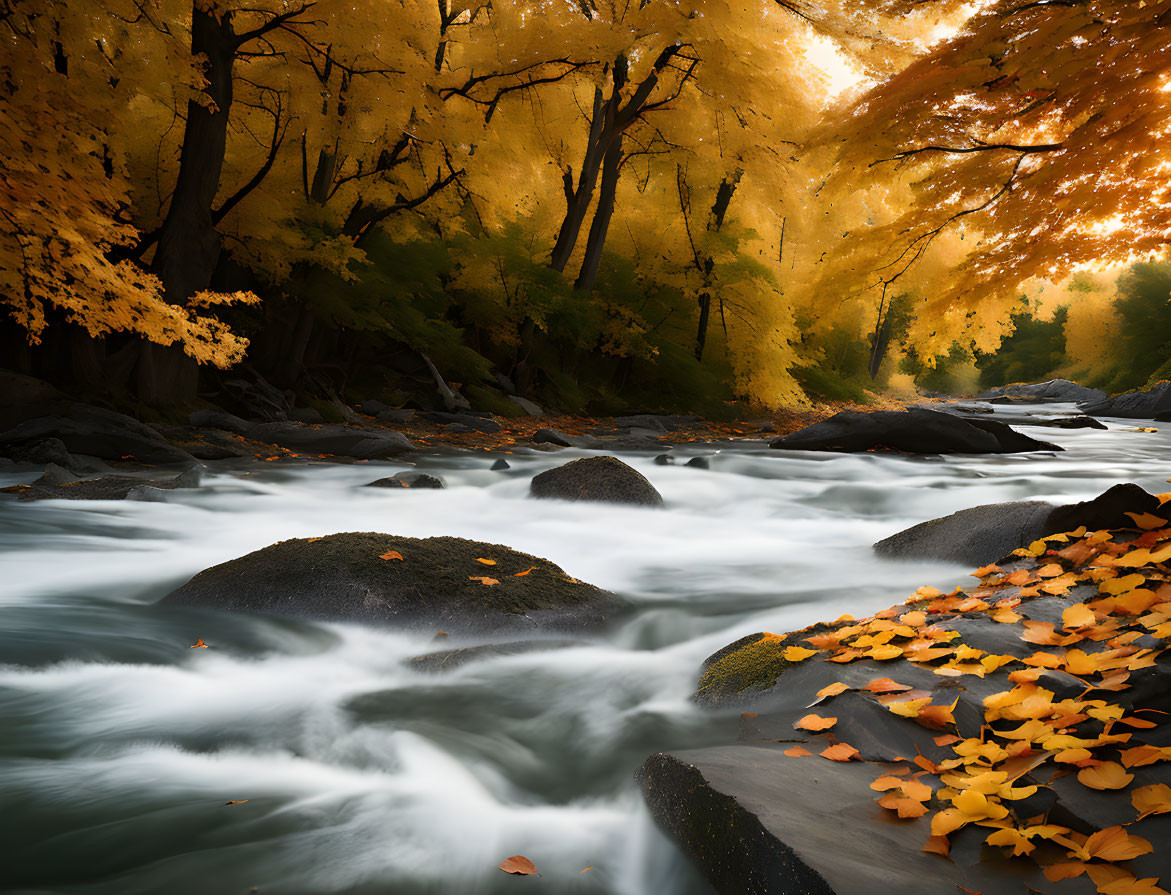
point(409, 480)
point(471, 422)
point(1074, 422)
point(59, 484)
point(218, 419)
point(308, 415)
point(605, 479)
point(757, 821)
point(1054, 391)
point(699, 463)
point(55, 475)
point(454, 658)
point(1147, 404)
point(346, 441)
point(529, 407)
point(438, 584)
point(499, 465)
point(457, 428)
point(396, 415)
point(559, 438)
point(664, 460)
point(95, 432)
point(986, 533)
point(914, 431)
point(655, 421)
point(373, 407)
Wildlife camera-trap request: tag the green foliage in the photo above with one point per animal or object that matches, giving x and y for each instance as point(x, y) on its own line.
point(953, 374)
point(1034, 350)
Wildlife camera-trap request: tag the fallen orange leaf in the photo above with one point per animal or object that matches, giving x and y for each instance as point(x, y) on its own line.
point(199, 644)
point(237, 802)
point(525, 572)
point(487, 562)
point(483, 579)
point(1107, 775)
point(518, 865)
point(391, 554)
point(840, 752)
point(797, 751)
point(815, 722)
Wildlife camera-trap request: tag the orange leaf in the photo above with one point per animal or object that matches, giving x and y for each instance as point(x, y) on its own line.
point(518, 865)
point(815, 722)
point(1132, 886)
point(199, 644)
point(1115, 844)
point(797, 751)
point(1107, 775)
point(938, 845)
point(1079, 615)
point(905, 807)
point(525, 572)
point(832, 690)
point(237, 802)
point(947, 739)
point(885, 685)
point(840, 752)
point(487, 562)
point(483, 579)
point(391, 554)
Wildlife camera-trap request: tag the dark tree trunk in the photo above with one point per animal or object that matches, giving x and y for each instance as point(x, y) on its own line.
point(189, 246)
point(705, 308)
point(578, 198)
point(611, 171)
point(719, 211)
point(323, 176)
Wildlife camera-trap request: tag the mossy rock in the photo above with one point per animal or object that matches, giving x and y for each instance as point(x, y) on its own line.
point(438, 583)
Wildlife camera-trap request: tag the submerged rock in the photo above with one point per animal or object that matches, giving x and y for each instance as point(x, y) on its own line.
point(986, 533)
point(437, 583)
point(409, 480)
point(605, 479)
point(60, 484)
point(915, 431)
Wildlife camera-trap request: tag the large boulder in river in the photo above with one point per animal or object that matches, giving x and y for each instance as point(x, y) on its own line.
point(96, 432)
point(1146, 405)
point(842, 748)
point(986, 533)
point(1055, 391)
point(914, 431)
point(605, 479)
point(460, 586)
point(345, 441)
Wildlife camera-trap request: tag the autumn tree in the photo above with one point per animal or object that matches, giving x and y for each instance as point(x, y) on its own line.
point(1031, 141)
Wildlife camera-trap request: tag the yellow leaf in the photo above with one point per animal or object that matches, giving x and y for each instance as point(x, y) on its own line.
point(1108, 775)
point(798, 653)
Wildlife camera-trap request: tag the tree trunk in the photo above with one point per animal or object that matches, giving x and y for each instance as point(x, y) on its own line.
point(578, 199)
point(189, 245)
point(611, 171)
point(705, 307)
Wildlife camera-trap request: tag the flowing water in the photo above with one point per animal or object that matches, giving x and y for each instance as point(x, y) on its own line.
point(120, 745)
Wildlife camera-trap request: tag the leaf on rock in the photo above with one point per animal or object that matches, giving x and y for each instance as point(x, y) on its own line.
point(840, 752)
point(525, 572)
point(199, 644)
point(815, 722)
point(1153, 799)
point(483, 579)
point(885, 685)
point(391, 554)
point(487, 562)
point(798, 653)
point(1115, 844)
point(1107, 775)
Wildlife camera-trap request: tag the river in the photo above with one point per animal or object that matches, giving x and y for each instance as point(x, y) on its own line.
point(355, 773)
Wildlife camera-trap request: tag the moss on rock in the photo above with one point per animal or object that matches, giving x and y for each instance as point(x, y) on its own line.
point(441, 582)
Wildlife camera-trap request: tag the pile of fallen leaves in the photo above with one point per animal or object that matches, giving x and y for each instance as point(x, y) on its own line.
point(1117, 623)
